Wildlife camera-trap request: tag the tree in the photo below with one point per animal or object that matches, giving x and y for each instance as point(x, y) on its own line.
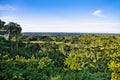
point(14, 30)
point(2, 24)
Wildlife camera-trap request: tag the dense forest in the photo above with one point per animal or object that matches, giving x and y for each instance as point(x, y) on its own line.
point(25, 56)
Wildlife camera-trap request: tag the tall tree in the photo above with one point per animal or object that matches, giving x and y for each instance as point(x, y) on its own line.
point(14, 30)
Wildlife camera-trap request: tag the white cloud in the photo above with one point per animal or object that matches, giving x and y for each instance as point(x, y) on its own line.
point(98, 13)
point(8, 18)
point(6, 7)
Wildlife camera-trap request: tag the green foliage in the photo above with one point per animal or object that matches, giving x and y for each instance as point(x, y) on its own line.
point(58, 77)
point(45, 62)
point(63, 57)
point(75, 61)
point(115, 66)
point(2, 24)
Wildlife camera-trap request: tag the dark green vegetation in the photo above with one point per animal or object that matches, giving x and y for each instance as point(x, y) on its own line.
point(60, 57)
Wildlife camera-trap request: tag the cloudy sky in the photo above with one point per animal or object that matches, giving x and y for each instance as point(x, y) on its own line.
point(63, 15)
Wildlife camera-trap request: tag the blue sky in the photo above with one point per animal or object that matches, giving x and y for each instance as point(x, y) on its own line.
point(63, 15)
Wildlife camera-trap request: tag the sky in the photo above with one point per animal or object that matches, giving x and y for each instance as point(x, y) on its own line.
point(91, 16)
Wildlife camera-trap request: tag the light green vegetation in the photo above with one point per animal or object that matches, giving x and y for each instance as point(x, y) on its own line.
point(46, 42)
